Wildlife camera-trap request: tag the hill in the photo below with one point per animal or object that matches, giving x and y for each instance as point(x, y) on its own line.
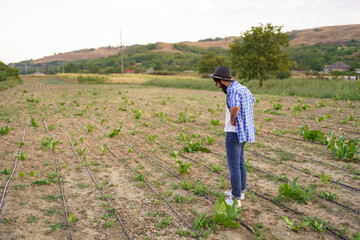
point(326, 35)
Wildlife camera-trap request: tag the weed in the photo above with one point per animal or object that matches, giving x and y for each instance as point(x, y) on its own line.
point(164, 222)
point(324, 178)
point(196, 146)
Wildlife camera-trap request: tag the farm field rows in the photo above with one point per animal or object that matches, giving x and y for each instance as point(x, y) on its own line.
point(116, 161)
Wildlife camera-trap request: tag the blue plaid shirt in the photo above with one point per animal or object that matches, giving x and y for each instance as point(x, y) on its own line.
point(240, 96)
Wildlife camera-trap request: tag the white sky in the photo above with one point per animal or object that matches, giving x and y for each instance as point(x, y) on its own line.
point(31, 29)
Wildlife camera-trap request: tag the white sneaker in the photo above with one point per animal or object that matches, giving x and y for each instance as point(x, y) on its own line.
point(228, 194)
point(229, 201)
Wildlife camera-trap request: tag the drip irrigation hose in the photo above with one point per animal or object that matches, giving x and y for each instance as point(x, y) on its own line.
point(94, 179)
point(60, 182)
point(342, 237)
point(146, 183)
point(15, 164)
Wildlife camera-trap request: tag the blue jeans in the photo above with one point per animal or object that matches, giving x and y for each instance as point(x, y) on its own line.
point(236, 163)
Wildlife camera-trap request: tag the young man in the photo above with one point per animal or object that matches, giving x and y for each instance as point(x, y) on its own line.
point(239, 128)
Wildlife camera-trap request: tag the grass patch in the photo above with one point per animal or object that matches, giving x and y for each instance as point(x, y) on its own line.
point(9, 84)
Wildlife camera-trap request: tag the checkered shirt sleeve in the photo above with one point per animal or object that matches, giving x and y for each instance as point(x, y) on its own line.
point(240, 96)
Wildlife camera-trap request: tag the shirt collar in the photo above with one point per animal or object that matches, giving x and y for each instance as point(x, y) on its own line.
point(231, 85)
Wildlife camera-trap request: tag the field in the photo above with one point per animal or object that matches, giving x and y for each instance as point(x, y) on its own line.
point(110, 161)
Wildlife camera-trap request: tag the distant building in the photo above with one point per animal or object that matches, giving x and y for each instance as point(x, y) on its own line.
point(129, 71)
point(338, 66)
point(149, 70)
point(357, 70)
point(38, 73)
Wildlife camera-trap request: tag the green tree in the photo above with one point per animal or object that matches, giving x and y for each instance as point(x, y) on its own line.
point(209, 62)
point(7, 72)
point(94, 68)
point(70, 68)
point(260, 53)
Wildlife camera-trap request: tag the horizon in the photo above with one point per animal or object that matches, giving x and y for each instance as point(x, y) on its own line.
point(95, 24)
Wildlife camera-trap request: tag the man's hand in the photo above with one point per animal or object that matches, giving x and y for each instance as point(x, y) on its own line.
point(233, 113)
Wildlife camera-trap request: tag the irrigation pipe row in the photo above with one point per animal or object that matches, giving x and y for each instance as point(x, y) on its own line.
point(147, 184)
point(15, 164)
point(60, 182)
point(94, 179)
point(276, 203)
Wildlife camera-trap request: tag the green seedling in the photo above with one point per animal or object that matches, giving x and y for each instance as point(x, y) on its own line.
point(151, 138)
point(341, 148)
point(211, 140)
point(313, 135)
point(5, 130)
point(225, 214)
point(328, 195)
point(48, 143)
point(196, 146)
point(215, 167)
point(294, 227)
point(183, 167)
point(115, 132)
point(33, 123)
point(51, 127)
point(21, 174)
point(72, 218)
point(41, 182)
point(80, 151)
point(174, 154)
point(102, 149)
point(90, 128)
point(137, 113)
point(23, 156)
point(324, 178)
point(215, 122)
point(58, 225)
point(294, 191)
point(203, 224)
point(277, 106)
point(6, 171)
point(164, 222)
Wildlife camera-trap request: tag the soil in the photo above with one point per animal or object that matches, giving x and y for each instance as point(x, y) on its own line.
point(141, 150)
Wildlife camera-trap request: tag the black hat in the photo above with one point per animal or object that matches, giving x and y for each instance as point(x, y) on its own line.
point(222, 73)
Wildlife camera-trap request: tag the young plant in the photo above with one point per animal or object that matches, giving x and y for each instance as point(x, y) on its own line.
point(211, 140)
point(90, 128)
point(277, 106)
point(174, 154)
point(33, 123)
point(102, 149)
point(196, 146)
point(5, 130)
point(343, 149)
point(313, 135)
point(215, 122)
point(225, 214)
point(137, 113)
point(49, 143)
point(294, 191)
point(294, 227)
point(324, 178)
point(115, 132)
point(183, 167)
point(23, 156)
point(151, 138)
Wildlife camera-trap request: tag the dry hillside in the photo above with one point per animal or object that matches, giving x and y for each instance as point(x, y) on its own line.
point(327, 35)
point(79, 55)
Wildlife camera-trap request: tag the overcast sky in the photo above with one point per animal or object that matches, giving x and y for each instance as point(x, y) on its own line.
point(31, 29)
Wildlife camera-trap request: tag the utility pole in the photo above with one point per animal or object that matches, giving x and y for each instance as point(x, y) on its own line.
point(121, 53)
point(25, 69)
